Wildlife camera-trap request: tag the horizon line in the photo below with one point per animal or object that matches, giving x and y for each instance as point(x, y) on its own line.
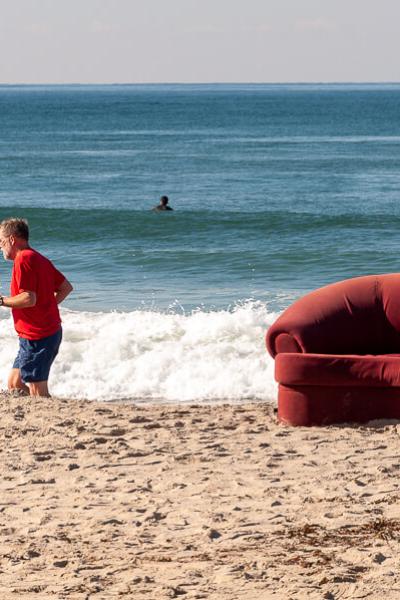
point(183, 83)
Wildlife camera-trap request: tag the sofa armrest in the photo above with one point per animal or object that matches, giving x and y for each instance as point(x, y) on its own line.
point(282, 342)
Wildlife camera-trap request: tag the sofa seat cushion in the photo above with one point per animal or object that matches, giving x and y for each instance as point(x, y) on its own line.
point(338, 370)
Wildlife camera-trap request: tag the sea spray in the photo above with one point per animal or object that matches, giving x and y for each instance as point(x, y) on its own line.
point(201, 356)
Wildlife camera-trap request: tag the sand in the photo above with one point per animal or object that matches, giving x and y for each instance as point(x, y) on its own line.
point(194, 501)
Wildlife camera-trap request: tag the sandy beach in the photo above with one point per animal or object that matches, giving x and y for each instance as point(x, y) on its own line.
point(195, 501)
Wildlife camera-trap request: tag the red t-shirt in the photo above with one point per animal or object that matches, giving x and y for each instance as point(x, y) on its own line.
point(33, 272)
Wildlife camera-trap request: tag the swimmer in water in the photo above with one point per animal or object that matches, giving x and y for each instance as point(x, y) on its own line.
point(163, 204)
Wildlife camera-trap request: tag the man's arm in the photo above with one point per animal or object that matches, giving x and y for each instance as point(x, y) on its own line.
point(63, 291)
point(28, 299)
point(21, 300)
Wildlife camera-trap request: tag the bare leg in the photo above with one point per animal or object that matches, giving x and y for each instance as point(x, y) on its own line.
point(15, 382)
point(39, 388)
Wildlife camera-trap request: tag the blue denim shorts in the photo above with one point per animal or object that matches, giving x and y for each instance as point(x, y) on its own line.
point(35, 357)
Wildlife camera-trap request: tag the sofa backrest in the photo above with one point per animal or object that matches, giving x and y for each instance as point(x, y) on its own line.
point(354, 316)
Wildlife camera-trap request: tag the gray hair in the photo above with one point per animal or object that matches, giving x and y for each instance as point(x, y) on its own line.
point(16, 227)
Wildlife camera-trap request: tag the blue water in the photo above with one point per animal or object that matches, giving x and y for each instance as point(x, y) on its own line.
point(277, 189)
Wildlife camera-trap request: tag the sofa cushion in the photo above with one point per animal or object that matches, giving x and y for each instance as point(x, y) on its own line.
point(338, 370)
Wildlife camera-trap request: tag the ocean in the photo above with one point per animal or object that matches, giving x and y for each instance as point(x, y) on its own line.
point(276, 190)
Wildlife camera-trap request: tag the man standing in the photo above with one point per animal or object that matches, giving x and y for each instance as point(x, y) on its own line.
point(36, 290)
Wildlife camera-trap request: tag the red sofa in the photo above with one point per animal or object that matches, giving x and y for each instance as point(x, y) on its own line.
point(337, 353)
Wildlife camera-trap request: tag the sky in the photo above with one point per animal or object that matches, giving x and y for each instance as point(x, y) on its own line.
point(190, 41)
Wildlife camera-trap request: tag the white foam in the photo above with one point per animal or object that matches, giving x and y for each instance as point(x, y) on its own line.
point(152, 355)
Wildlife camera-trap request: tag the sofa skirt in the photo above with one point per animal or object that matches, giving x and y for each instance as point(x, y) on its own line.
point(307, 405)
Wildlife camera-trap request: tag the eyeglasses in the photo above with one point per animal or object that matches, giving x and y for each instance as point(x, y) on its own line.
point(3, 241)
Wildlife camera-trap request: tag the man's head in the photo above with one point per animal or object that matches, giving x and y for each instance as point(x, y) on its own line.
point(164, 200)
point(14, 236)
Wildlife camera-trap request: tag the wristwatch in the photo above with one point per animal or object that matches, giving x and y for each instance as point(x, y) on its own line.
point(1, 301)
